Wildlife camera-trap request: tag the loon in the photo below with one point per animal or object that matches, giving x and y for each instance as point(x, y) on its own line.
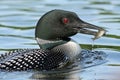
point(52, 33)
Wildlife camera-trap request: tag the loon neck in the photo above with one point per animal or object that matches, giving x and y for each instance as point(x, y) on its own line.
point(49, 44)
point(69, 48)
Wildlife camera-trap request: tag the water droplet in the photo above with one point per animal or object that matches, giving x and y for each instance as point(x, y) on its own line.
point(93, 44)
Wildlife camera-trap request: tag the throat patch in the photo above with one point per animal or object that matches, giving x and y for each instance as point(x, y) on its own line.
point(48, 44)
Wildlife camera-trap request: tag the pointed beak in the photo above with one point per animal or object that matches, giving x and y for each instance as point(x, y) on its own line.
point(87, 28)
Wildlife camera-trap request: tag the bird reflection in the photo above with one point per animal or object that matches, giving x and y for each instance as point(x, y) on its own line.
point(55, 76)
point(68, 73)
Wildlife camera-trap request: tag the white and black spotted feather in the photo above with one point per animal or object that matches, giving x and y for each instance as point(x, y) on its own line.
point(26, 59)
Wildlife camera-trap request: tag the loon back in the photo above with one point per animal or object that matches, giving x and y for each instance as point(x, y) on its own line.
point(40, 59)
point(53, 32)
point(26, 59)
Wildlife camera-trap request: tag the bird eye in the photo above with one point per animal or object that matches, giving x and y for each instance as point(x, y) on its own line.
point(65, 20)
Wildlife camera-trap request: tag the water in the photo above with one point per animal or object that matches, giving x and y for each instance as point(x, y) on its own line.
point(18, 19)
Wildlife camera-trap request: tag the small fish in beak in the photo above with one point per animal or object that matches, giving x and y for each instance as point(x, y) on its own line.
point(99, 34)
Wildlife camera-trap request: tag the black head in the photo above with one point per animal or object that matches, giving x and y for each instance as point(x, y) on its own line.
point(60, 24)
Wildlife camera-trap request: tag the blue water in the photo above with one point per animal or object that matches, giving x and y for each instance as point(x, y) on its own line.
point(18, 19)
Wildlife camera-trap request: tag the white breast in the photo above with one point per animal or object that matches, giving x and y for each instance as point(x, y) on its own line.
point(71, 49)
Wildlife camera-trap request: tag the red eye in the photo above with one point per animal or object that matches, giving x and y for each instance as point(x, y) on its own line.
point(65, 20)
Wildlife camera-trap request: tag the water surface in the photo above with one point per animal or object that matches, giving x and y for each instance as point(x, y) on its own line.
point(18, 20)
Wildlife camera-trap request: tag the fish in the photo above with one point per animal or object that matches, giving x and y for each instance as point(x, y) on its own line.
point(99, 34)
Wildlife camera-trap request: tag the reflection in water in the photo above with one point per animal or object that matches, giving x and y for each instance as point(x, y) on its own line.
point(18, 19)
point(55, 76)
point(14, 27)
point(87, 46)
point(68, 73)
point(100, 2)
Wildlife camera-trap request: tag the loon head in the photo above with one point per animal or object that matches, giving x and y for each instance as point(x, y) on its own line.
point(57, 26)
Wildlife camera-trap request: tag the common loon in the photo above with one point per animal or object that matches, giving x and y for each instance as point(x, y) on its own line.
point(53, 32)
